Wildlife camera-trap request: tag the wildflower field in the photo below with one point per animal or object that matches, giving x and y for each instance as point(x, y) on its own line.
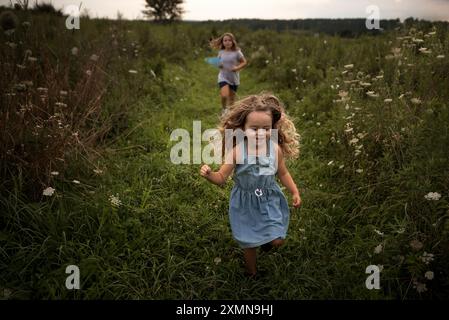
point(86, 176)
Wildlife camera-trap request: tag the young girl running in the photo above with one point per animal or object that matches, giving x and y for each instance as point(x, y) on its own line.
point(258, 209)
point(232, 61)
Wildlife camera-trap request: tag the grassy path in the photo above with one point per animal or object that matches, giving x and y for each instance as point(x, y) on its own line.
point(179, 221)
point(170, 237)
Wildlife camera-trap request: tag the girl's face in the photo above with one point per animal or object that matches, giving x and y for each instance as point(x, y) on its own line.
point(227, 42)
point(257, 123)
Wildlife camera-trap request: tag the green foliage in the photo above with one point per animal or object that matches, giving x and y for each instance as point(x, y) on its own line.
point(140, 227)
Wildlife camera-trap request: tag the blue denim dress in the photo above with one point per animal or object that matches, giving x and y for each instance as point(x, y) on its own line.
point(258, 209)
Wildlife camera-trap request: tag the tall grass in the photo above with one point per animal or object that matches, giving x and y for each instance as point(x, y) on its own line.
point(98, 105)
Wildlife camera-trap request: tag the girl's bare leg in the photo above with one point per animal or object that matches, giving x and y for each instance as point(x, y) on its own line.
point(224, 93)
point(231, 97)
point(274, 243)
point(250, 260)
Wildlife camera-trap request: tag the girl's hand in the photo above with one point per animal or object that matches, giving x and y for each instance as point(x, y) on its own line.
point(296, 200)
point(205, 170)
point(234, 69)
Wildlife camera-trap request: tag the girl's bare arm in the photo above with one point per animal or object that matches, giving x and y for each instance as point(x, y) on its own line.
point(286, 179)
point(242, 64)
point(219, 177)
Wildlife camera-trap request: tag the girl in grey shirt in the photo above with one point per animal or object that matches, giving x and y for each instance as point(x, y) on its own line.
point(232, 61)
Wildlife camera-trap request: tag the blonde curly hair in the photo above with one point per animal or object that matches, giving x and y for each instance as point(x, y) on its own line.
point(235, 118)
point(218, 42)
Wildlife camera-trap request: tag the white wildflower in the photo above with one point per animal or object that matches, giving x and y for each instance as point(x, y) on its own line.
point(372, 94)
point(115, 201)
point(415, 101)
point(429, 275)
point(378, 232)
point(427, 257)
point(48, 192)
point(54, 173)
point(435, 196)
point(98, 171)
point(425, 50)
point(378, 249)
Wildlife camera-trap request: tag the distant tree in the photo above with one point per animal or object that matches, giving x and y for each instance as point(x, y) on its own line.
point(409, 22)
point(120, 16)
point(163, 10)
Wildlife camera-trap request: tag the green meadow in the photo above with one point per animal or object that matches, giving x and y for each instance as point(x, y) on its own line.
point(86, 177)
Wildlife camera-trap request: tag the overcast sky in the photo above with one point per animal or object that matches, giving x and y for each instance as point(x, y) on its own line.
point(270, 9)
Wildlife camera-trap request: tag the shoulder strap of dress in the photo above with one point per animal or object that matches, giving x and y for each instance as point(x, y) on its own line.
point(245, 150)
point(273, 153)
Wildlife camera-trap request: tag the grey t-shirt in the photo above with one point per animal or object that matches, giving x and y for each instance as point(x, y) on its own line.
point(229, 59)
